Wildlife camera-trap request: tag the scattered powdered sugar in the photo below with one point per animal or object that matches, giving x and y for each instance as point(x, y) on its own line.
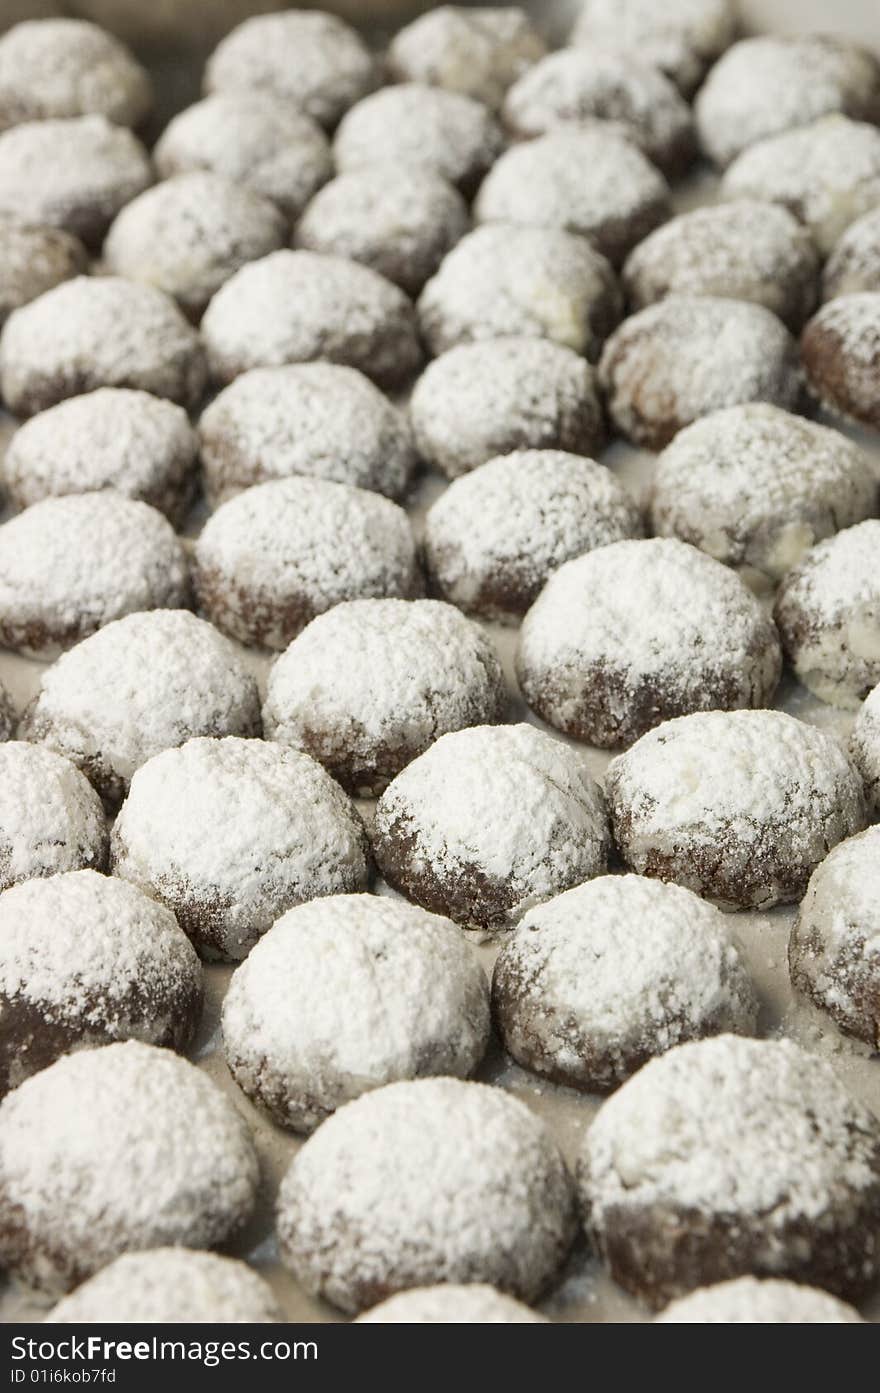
point(451, 1304)
point(435, 1180)
point(680, 37)
point(750, 1301)
point(864, 747)
point(231, 833)
point(316, 419)
point(169, 1286)
point(854, 264)
point(51, 819)
point(349, 993)
point(33, 260)
point(112, 1149)
point(478, 52)
point(68, 67)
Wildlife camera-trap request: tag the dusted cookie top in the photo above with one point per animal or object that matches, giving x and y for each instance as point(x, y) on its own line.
point(51, 819)
point(33, 260)
point(346, 994)
point(431, 1181)
point(67, 67)
point(478, 52)
point(451, 1304)
point(680, 37)
point(751, 1301)
point(113, 1149)
point(313, 59)
point(854, 264)
point(840, 348)
point(170, 1286)
point(492, 397)
point(864, 747)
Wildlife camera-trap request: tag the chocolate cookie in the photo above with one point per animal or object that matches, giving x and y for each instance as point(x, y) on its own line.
point(740, 806)
point(478, 52)
point(488, 822)
point(358, 1209)
point(865, 747)
point(33, 260)
point(451, 1304)
point(170, 1286)
point(85, 960)
point(68, 67)
point(51, 819)
point(729, 1157)
point(117, 1149)
point(756, 1301)
point(680, 37)
point(854, 264)
point(637, 632)
point(840, 348)
point(346, 994)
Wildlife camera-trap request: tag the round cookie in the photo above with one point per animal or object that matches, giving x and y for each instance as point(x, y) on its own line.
point(398, 220)
point(755, 487)
point(753, 1301)
point(33, 260)
point(170, 1286)
point(827, 174)
point(85, 960)
point(594, 983)
point(489, 398)
point(865, 748)
point(190, 233)
point(488, 822)
point(253, 138)
point(314, 60)
point(346, 994)
point(296, 306)
point(680, 37)
point(425, 127)
point(495, 535)
point(455, 1182)
point(72, 174)
point(729, 1157)
point(740, 806)
point(834, 949)
point(578, 86)
point(828, 615)
point(691, 354)
point(743, 250)
point(840, 348)
point(854, 264)
point(592, 181)
point(272, 558)
point(505, 281)
point(113, 1150)
point(68, 67)
point(70, 565)
point(451, 1304)
point(113, 438)
point(94, 332)
point(777, 82)
point(368, 686)
point(478, 52)
point(140, 685)
point(637, 632)
point(51, 819)
point(317, 419)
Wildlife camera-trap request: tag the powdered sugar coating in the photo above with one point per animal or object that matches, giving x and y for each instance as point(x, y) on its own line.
point(854, 264)
point(84, 960)
point(502, 281)
point(773, 83)
point(691, 354)
point(70, 565)
point(140, 685)
point(841, 354)
point(117, 1149)
point(637, 632)
point(276, 555)
point(743, 250)
point(753, 1153)
point(113, 438)
point(33, 260)
point(434, 1180)
point(72, 174)
point(592, 181)
point(489, 398)
point(478, 52)
point(190, 233)
point(7, 714)
point(451, 1304)
point(490, 821)
point(755, 487)
point(427, 127)
point(827, 174)
point(864, 747)
point(680, 37)
point(68, 67)
point(596, 981)
point(98, 332)
point(347, 994)
point(296, 306)
point(740, 806)
point(396, 219)
point(495, 535)
point(317, 419)
point(169, 1286)
point(752, 1301)
point(371, 684)
point(312, 59)
point(51, 819)
point(254, 138)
